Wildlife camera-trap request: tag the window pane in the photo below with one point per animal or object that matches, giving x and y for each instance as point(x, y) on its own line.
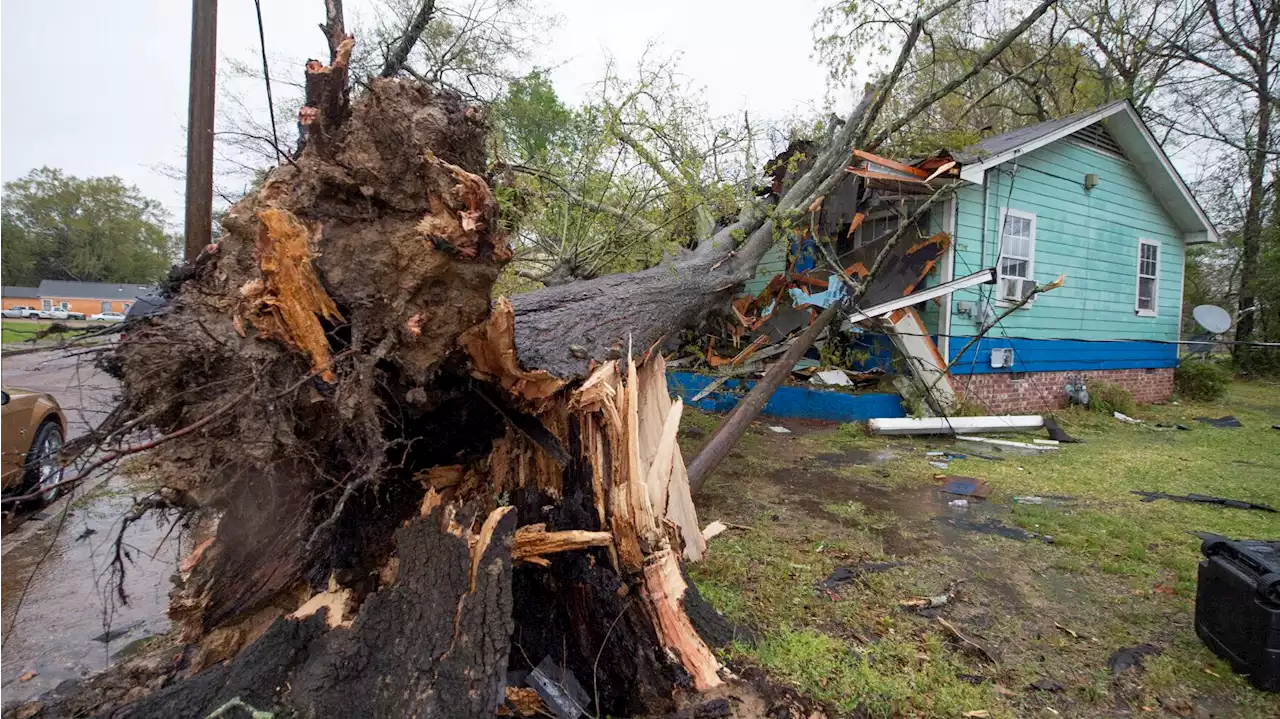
point(1020, 247)
point(1011, 226)
point(1146, 293)
point(1013, 267)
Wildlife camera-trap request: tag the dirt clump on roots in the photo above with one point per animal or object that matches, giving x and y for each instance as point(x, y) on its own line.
point(306, 342)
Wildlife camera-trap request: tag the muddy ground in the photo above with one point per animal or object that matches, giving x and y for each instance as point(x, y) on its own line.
point(1047, 593)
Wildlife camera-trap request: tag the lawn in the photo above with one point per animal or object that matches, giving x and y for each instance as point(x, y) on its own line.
point(1118, 572)
point(18, 331)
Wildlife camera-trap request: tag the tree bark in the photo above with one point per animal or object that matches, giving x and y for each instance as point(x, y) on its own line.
point(399, 53)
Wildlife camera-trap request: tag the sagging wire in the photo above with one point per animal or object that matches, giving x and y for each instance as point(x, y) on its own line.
point(266, 76)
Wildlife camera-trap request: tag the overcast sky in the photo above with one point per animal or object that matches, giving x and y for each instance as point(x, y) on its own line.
point(100, 88)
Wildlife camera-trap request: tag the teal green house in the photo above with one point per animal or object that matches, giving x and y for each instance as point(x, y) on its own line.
point(1091, 198)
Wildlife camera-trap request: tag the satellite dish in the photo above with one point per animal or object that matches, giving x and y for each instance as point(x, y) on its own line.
point(1212, 318)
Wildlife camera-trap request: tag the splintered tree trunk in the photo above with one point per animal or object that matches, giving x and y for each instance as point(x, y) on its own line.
point(397, 510)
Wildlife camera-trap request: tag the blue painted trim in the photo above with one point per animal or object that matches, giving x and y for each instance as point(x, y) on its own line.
point(1061, 355)
point(788, 401)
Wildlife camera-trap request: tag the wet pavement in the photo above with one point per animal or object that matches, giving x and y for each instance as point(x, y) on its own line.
point(70, 605)
point(60, 615)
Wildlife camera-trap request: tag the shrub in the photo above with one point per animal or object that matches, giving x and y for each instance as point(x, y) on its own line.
point(1107, 397)
point(1201, 379)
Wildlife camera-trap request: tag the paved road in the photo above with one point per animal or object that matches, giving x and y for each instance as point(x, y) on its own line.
point(82, 390)
point(57, 560)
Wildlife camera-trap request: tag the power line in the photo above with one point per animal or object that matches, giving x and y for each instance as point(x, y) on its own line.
point(266, 78)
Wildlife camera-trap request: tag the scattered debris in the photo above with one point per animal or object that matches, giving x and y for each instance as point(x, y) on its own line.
point(977, 714)
point(844, 575)
point(559, 688)
point(1056, 432)
point(1045, 684)
point(974, 679)
point(717, 528)
point(1131, 657)
point(712, 387)
point(955, 425)
point(778, 429)
point(28, 675)
point(1182, 427)
point(1125, 418)
point(969, 643)
point(1028, 500)
point(831, 377)
point(1045, 441)
point(1202, 499)
point(959, 503)
point(1228, 422)
point(968, 487)
point(1004, 445)
point(1069, 632)
point(522, 701)
point(925, 602)
point(938, 465)
point(88, 532)
point(714, 529)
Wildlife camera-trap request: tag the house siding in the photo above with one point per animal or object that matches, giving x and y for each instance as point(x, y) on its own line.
point(8, 302)
point(1090, 237)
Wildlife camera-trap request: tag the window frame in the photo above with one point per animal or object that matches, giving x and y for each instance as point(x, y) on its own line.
point(1030, 258)
point(1155, 284)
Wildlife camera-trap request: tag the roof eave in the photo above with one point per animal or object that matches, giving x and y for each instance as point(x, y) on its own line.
point(1200, 231)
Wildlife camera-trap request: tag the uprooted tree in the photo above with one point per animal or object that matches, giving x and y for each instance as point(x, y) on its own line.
point(434, 488)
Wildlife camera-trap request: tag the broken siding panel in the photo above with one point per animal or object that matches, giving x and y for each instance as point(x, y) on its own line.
point(1091, 237)
point(773, 263)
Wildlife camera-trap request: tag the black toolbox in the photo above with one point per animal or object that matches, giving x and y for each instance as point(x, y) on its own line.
point(1238, 606)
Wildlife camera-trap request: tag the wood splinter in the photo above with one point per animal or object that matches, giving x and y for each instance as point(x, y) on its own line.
point(533, 541)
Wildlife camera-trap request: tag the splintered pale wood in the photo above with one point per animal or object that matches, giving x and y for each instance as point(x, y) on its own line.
point(664, 588)
point(636, 494)
point(532, 542)
point(287, 301)
point(658, 478)
point(668, 486)
point(681, 512)
point(336, 602)
point(481, 543)
point(492, 348)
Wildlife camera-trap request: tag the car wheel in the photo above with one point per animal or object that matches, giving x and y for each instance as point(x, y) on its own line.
point(42, 467)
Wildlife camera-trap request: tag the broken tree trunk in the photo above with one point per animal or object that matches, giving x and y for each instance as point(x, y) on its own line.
point(372, 449)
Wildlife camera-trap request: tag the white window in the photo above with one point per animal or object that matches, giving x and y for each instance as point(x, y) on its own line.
point(1148, 278)
point(1016, 270)
point(46, 305)
point(66, 305)
point(106, 306)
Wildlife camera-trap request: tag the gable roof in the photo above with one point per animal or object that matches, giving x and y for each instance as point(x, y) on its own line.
point(1129, 131)
point(92, 290)
point(13, 291)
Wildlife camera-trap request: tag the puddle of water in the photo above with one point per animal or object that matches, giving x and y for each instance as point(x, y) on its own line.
point(71, 603)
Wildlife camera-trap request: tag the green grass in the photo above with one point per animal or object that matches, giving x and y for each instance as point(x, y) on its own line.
point(20, 331)
point(1119, 572)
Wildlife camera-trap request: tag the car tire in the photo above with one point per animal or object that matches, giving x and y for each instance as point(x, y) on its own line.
point(41, 465)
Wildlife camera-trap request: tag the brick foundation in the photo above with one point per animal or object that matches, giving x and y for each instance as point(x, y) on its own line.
point(1000, 393)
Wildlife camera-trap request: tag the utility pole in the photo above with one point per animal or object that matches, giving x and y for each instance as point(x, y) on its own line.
point(204, 57)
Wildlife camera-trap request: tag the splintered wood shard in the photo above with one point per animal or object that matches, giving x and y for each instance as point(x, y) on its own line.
point(533, 541)
point(287, 301)
point(492, 348)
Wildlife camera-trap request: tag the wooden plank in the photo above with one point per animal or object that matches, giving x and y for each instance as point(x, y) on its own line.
point(894, 164)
